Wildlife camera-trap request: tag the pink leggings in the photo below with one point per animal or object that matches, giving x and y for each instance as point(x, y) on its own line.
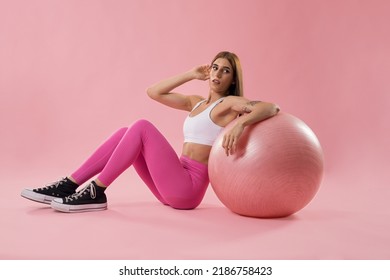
point(178, 182)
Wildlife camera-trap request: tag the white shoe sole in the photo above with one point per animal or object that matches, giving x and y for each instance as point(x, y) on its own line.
point(59, 206)
point(37, 197)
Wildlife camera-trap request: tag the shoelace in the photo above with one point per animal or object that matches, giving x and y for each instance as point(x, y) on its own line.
point(52, 185)
point(87, 189)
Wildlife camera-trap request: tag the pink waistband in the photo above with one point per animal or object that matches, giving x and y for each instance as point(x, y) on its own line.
point(192, 161)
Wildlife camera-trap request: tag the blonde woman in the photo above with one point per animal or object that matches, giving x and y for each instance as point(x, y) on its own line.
point(177, 181)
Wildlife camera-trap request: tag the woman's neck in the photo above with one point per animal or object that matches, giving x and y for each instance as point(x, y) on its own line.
point(213, 96)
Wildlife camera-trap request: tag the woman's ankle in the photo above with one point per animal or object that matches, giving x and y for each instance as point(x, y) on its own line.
point(100, 183)
point(70, 178)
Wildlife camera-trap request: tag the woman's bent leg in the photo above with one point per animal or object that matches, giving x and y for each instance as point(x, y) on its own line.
point(157, 164)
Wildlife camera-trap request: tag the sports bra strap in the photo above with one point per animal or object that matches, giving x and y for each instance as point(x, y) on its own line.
point(211, 106)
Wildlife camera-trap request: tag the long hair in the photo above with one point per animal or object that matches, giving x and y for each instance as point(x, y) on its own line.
point(236, 88)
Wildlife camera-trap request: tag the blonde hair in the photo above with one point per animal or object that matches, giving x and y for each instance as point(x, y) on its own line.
point(236, 87)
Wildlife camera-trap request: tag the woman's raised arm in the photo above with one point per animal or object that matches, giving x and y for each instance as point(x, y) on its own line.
point(162, 91)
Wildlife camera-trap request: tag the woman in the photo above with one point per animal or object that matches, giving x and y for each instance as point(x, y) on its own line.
point(179, 182)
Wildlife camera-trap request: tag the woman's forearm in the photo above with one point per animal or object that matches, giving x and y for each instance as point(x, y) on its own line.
point(259, 112)
point(167, 85)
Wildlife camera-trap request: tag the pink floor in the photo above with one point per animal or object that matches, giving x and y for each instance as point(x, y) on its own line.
point(346, 220)
point(72, 72)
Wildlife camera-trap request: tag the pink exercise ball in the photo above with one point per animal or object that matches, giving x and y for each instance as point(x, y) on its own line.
point(276, 170)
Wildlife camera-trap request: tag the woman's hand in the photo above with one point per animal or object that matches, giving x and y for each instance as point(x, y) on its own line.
point(250, 112)
point(230, 139)
point(201, 72)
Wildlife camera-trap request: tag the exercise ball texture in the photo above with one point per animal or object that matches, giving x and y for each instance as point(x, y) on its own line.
point(276, 170)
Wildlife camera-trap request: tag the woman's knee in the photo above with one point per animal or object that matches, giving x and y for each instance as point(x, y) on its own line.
point(122, 130)
point(142, 123)
point(119, 133)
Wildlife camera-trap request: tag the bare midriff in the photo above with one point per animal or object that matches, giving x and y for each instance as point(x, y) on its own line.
point(198, 152)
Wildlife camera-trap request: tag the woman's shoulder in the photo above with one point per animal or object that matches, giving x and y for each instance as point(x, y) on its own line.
point(232, 100)
point(195, 99)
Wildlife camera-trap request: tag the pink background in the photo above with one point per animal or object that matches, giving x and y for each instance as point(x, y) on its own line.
point(71, 72)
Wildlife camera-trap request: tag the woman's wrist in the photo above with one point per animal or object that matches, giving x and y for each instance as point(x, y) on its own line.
point(240, 123)
point(190, 75)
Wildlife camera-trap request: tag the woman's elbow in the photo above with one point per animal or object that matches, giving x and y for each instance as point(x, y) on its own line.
point(151, 93)
point(273, 109)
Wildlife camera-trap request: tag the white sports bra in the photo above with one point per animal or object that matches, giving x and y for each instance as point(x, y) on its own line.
point(200, 129)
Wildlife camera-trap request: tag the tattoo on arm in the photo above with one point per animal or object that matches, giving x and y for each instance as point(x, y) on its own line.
point(252, 103)
point(247, 109)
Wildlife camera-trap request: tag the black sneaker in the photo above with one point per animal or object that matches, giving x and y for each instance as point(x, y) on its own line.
point(90, 198)
point(46, 194)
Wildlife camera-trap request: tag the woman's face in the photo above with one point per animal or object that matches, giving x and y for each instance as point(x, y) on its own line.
point(221, 76)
